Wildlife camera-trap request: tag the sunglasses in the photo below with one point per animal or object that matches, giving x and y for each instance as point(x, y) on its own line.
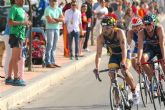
point(147, 24)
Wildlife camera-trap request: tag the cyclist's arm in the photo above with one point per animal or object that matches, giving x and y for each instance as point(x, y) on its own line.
point(100, 42)
point(140, 45)
point(123, 45)
point(161, 40)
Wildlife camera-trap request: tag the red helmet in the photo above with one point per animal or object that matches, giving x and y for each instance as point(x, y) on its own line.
point(136, 21)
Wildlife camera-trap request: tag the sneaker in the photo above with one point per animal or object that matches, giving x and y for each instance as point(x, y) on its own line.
point(76, 58)
point(9, 81)
point(71, 57)
point(19, 82)
point(87, 50)
point(136, 98)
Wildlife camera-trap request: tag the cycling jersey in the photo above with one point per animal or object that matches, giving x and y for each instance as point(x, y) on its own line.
point(113, 44)
point(152, 44)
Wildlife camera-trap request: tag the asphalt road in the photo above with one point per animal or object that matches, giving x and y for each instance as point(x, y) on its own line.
point(81, 91)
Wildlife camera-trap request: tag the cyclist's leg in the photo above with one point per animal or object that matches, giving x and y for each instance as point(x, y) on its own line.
point(129, 79)
point(115, 61)
point(112, 72)
point(147, 56)
point(134, 61)
point(162, 63)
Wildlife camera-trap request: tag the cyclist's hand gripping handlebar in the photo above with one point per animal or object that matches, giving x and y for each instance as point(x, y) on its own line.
point(96, 72)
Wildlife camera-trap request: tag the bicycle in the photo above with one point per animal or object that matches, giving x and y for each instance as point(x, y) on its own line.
point(156, 82)
point(118, 90)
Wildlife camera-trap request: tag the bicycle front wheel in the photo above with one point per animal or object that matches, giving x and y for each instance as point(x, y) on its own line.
point(144, 89)
point(115, 99)
point(155, 93)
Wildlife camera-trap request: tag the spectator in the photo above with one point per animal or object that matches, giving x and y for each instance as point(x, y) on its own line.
point(53, 16)
point(111, 13)
point(100, 12)
point(7, 46)
point(96, 4)
point(126, 4)
point(68, 6)
point(135, 7)
point(127, 17)
point(65, 33)
point(84, 26)
point(17, 22)
point(114, 4)
point(142, 12)
point(119, 12)
point(74, 27)
point(89, 26)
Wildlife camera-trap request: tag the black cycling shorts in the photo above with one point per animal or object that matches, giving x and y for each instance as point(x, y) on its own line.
point(15, 41)
point(152, 52)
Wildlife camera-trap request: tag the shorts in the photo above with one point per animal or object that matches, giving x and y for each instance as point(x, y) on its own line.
point(15, 41)
point(114, 61)
point(154, 52)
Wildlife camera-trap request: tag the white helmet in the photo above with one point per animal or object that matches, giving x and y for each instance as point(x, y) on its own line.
point(136, 21)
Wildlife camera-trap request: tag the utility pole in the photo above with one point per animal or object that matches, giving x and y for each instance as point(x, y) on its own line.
point(30, 38)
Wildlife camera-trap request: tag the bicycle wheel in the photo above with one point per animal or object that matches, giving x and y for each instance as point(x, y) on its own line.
point(115, 100)
point(161, 83)
point(144, 89)
point(155, 99)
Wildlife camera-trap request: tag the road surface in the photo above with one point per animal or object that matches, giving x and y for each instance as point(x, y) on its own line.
point(81, 91)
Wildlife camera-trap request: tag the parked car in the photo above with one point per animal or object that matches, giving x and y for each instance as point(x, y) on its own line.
point(4, 10)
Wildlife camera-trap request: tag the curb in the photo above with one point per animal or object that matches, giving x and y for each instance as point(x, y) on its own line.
point(18, 95)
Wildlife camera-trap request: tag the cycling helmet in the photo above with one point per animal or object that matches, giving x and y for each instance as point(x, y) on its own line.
point(147, 19)
point(136, 21)
point(108, 21)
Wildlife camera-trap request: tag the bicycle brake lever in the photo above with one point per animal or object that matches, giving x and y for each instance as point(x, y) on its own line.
point(97, 75)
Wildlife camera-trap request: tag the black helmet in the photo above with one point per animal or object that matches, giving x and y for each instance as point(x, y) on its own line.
point(147, 19)
point(108, 21)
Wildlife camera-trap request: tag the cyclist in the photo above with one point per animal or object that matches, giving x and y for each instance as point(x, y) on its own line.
point(154, 37)
point(132, 35)
point(115, 39)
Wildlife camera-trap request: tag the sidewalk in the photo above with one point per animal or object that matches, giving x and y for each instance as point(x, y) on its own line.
point(38, 73)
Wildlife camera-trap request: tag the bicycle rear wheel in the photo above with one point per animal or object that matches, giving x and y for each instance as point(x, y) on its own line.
point(115, 99)
point(155, 99)
point(144, 89)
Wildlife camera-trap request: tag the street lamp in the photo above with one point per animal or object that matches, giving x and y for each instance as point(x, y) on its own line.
point(30, 37)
